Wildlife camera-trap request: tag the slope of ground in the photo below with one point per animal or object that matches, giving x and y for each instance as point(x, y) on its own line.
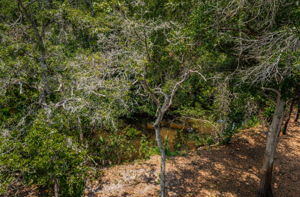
point(229, 171)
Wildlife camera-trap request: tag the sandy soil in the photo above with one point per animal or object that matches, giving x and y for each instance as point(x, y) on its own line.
point(228, 171)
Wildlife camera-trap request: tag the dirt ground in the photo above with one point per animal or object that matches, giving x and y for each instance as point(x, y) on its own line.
point(227, 171)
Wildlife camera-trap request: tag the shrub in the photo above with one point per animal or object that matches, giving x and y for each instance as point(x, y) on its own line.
point(44, 156)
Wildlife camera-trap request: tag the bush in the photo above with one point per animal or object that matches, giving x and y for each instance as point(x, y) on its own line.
point(132, 132)
point(114, 148)
point(42, 157)
point(147, 148)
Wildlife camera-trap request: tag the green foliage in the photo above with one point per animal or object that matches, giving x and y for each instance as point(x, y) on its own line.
point(147, 148)
point(114, 148)
point(196, 111)
point(43, 156)
point(202, 140)
point(252, 122)
point(132, 132)
point(269, 110)
point(69, 69)
point(227, 133)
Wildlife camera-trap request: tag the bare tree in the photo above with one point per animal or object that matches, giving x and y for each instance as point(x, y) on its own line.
point(161, 109)
point(141, 36)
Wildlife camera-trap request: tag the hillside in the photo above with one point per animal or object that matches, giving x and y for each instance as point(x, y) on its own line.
point(211, 171)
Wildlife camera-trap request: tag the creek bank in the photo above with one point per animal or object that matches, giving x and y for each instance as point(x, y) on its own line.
point(230, 171)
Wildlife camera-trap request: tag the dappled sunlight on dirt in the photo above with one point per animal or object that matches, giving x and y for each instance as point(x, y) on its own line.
point(229, 171)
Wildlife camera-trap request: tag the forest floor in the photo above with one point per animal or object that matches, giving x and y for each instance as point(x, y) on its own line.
point(226, 171)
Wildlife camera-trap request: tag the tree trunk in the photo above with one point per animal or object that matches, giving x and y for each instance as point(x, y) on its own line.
point(265, 189)
point(163, 191)
point(80, 130)
point(45, 88)
point(286, 124)
point(39, 35)
point(298, 112)
point(161, 110)
point(56, 188)
point(89, 3)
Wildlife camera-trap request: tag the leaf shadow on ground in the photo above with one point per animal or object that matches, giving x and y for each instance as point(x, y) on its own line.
point(233, 170)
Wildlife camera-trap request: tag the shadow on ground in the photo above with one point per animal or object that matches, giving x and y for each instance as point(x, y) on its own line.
point(223, 171)
point(233, 170)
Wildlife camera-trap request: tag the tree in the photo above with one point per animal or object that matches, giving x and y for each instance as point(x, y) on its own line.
point(161, 109)
point(141, 46)
point(272, 140)
point(44, 158)
point(275, 50)
point(284, 130)
point(264, 41)
point(70, 70)
point(298, 112)
point(36, 98)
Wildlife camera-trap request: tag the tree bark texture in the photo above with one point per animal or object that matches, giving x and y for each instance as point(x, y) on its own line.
point(298, 112)
point(163, 190)
point(265, 188)
point(56, 188)
point(286, 124)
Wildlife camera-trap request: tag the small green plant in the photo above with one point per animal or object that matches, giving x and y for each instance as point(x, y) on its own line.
point(132, 132)
point(269, 111)
point(253, 121)
point(229, 131)
point(147, 148)
point(201, 140)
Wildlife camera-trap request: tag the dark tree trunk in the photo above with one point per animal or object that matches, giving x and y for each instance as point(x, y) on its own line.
point(298, 112)
point(266, 183)
point(39, 36)
point(89, 3)
point(265, 189)
point(286, 124)
point(80, 130)
point(45, 88)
